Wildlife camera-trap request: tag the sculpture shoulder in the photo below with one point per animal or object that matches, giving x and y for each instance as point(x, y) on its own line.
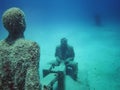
point(19, 43)
point(70, 47)
point(21, 50)
point(58, 46)
point(25, 43)
point(2, 42)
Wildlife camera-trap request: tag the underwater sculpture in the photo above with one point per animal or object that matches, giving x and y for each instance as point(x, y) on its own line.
point(97, 18)
point(19, 58)
point(65, 54)
point(64, 64)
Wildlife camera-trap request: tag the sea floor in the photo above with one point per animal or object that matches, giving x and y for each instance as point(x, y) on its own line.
point(97, 51)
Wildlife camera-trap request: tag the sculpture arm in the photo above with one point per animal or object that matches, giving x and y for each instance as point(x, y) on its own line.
point(57, 55)
point(58, 59)
point(71, 55)
point(68, 60)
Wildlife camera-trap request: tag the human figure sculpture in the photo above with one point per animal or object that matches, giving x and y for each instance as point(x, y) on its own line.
point(19, 58)
point(97, 18)
point(65, 54)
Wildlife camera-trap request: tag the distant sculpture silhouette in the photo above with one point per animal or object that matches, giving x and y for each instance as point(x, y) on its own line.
point(65, 53)
point(19, 58)
point(97, 20)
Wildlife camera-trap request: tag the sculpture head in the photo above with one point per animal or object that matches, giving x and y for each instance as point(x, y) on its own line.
point(63, 42)
point(14, 20)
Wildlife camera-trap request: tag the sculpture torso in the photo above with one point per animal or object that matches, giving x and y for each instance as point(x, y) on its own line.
point(15, 63)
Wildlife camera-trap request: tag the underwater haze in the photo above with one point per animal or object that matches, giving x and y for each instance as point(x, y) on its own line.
point(92, 27)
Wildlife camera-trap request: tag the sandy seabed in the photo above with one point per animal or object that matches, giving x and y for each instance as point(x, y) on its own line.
point(97, 51)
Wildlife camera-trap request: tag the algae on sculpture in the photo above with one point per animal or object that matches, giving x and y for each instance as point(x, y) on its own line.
point(19, 58)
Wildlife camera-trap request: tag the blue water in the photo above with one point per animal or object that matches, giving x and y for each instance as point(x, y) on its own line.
point(97, 47)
